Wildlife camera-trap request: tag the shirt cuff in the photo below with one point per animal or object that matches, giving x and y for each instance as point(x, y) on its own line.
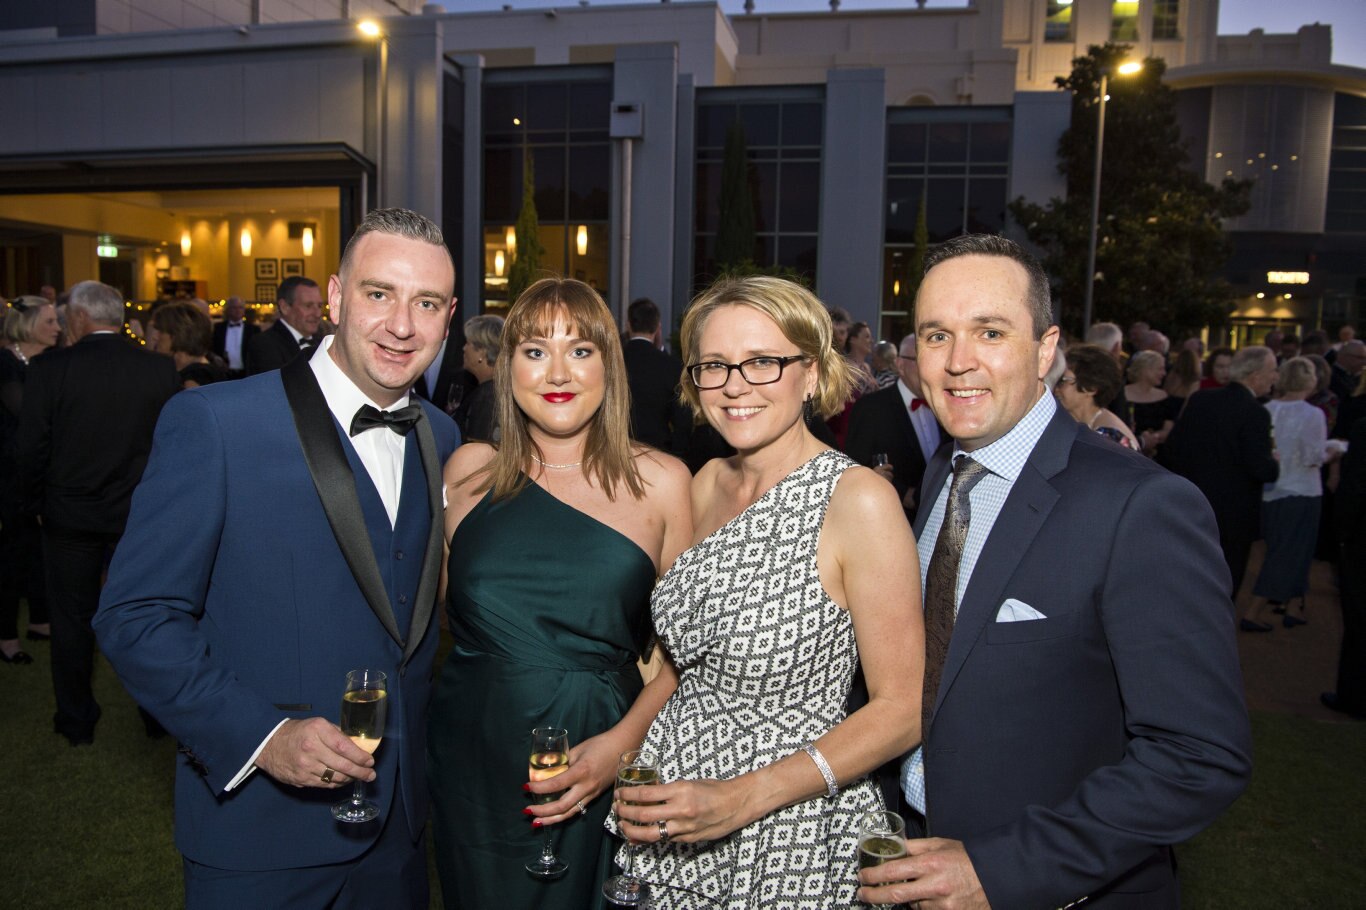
point(250, 766)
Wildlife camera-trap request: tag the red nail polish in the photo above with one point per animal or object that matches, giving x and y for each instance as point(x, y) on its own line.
point(526, 788)
point(526, 811)
point(535, 823)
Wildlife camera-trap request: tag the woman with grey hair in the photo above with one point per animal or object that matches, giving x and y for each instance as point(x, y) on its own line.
point(477, 417)
point(1290, 506)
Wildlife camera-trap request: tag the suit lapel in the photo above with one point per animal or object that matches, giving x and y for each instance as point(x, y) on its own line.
point(431, 563)
point(1026, 509)
point(336, 487)
point(934, 482)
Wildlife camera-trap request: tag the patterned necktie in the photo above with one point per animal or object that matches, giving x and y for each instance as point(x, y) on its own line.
point(941, 581)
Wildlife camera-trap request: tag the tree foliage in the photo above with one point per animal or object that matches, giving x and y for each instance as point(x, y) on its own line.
point(1160, 243)
point(526, 261)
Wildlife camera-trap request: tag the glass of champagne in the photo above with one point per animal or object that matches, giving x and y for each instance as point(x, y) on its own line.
point(881, 838)
point(549, 757)
point(364, 706)
point(634, 769)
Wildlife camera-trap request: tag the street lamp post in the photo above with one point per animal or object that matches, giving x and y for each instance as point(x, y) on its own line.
point(1124, 69)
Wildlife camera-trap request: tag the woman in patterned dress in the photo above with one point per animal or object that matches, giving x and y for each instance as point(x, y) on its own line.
point(803, 568)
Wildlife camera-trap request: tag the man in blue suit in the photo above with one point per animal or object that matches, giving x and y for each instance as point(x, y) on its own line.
point(288, 529)
point(1083, 706)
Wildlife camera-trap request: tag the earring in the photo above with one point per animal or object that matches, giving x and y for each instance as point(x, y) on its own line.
point(808, 409)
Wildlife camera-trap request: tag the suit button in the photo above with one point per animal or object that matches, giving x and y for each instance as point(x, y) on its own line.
point(398, 554)
point(403, 598)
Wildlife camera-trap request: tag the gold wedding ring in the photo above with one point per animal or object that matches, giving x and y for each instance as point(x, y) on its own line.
point(327, 774)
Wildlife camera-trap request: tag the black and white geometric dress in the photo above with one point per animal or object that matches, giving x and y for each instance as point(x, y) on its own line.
point(765, 661)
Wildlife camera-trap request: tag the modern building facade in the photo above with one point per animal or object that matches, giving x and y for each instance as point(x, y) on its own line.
point(211, 146)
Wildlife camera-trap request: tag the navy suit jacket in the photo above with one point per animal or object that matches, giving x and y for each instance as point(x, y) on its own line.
point(254, 574)
point(1069, 753)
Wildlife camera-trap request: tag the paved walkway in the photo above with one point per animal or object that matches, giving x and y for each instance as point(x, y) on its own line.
point(1285, 670)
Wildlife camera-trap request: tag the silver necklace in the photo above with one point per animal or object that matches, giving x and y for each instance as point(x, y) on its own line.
point(20, 354)
point(546, 464)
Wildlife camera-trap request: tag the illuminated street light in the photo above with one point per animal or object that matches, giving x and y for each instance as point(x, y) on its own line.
point(1124, 69)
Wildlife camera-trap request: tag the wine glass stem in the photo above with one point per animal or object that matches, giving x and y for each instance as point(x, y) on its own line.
point(548, 849)
point(358, 792)
point(629, 871)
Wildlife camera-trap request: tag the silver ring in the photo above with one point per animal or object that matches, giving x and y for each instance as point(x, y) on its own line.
point(327, 774)
point(663, 831)
point(583, 810)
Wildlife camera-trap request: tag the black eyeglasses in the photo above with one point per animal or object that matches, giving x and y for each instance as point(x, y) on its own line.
point(756, 371)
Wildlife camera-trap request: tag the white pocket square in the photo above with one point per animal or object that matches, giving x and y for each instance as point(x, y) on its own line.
point(1017, 611)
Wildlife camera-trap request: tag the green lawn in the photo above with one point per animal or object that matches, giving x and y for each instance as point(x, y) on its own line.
point(92, 826)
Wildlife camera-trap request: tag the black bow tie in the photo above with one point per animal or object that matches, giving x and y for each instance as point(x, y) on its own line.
point(400, 421)
point(233, 325)
point(305, 342)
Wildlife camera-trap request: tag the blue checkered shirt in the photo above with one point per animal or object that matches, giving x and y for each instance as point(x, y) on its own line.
point(1003, 459)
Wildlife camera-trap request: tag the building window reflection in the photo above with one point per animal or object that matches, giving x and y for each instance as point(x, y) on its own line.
point(1124, 20)
point(1167, 20)
point(1057, 24)
point(955, 162)
point(557, 119)
point(783, 144)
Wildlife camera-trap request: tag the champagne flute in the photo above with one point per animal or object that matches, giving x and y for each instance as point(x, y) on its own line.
point(549, 757)
point(635, 769)
point(881, 838)
point(364, 706)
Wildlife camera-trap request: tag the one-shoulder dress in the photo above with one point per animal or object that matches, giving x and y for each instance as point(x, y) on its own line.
point(766, 660)
point(549, 611)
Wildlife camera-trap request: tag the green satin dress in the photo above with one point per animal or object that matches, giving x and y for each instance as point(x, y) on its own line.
point(549, 609)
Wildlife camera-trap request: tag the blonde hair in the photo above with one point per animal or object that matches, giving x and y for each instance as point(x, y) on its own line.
point(20, 316)
point(1296, 375)
point(1141, 361)
point(607, 454)
point(799, 315)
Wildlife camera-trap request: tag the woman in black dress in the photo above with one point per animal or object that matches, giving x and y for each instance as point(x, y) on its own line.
point(30, 327)
point(477, 415)
point(182, 332)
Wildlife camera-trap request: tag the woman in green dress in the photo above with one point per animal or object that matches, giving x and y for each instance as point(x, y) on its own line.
point(556, 539)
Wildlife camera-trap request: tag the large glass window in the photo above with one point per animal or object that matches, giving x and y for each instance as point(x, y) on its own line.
point(1346, 208)
point(952, 163)
point(1124, 20)
point(558, 121)
point(783, 138)
point(1057, 24)
point(1166, 20)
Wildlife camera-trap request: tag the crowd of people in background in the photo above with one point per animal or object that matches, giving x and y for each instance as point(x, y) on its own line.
point(780, 420)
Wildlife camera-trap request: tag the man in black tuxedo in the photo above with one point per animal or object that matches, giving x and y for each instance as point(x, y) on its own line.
point(85, 432)
point(1349, 697)
point(895, 422)
point(658, 416)
point(446, 382)
point(230, 337)
point(1222, 444)
point(299, 306)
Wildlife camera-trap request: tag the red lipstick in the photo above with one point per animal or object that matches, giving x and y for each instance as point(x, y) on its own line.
point(558, 397)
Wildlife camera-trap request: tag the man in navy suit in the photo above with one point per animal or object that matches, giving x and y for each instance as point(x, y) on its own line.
point(1083, 704)
point(288, 529)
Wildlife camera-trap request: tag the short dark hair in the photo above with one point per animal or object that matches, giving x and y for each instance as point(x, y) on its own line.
point(642, 316)
point(1096, 372)
point(189, 329)
point(292, 284)
point(399, 223)
point(1039, 300)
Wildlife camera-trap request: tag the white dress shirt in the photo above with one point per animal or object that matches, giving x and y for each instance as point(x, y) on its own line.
point(381, 450)
point(232, 345)
point(922, 421)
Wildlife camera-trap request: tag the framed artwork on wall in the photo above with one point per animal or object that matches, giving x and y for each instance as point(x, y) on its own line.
point(291, 268)
point(268, 270)
point(265, 293)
